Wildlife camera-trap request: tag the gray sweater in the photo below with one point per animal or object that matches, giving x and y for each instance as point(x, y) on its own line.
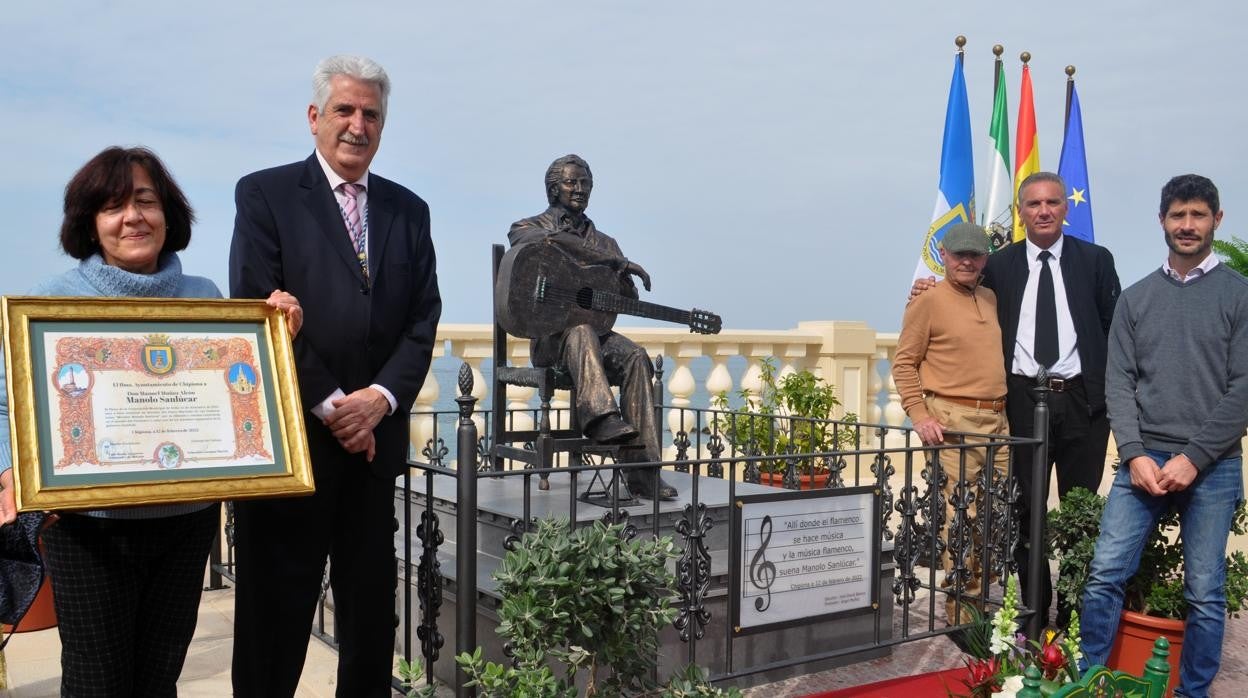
point(1177, 377)
point(92, 277)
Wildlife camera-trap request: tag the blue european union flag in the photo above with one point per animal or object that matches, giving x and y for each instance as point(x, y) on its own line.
point(1074, 169)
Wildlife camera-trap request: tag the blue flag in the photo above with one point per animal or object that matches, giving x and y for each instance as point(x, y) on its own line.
point(955, 199)
point(1074, 169)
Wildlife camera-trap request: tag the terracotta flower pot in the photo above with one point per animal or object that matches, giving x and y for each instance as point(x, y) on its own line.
point(1134, 644)
point(805, 481)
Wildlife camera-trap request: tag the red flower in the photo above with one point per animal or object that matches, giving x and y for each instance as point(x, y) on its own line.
point(1052, 659)
point(983, 676)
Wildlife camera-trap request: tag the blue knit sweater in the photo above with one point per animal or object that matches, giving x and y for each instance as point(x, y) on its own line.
point(92, 277)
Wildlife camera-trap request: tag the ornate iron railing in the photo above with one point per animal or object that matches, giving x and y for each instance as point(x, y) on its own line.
point(920, 522)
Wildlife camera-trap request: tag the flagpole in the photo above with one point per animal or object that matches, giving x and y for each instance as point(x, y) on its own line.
point(960, 42)
point(997, 50)
point(1070, 89)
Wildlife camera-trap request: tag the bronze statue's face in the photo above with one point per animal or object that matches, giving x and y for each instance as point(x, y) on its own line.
point(572, 189)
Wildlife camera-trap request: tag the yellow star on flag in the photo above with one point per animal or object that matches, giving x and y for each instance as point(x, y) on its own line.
point(1076, 196)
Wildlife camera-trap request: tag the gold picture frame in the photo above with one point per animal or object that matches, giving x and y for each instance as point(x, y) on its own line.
point(118, 402)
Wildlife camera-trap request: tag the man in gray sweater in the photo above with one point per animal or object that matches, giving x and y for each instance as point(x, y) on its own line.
point(1177, 390)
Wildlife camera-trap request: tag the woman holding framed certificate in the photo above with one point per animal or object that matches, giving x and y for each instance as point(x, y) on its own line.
point(126, 581)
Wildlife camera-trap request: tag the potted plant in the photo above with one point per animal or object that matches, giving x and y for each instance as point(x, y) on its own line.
point(792, 415)
point(1153, 603)
point(582, 607)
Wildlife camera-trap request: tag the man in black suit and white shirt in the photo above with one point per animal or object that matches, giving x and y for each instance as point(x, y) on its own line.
point(1059, 320)
point(356, 250)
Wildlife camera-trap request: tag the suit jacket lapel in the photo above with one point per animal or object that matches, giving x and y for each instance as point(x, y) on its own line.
point(380, 221)
point(1019, 272)
point(1070, 268)
point(324, 207)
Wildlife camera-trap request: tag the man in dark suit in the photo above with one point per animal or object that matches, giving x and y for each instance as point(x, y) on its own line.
point(1084, 287)
point(1066, 331)
point(355, 249)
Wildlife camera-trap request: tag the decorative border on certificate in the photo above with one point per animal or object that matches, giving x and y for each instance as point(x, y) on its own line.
point(802, 557)
point(119, 402)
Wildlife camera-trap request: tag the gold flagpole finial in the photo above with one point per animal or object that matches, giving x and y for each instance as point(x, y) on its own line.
point(997, 50)
point(960, 42)
point(1025, 57)
point(1070, 72)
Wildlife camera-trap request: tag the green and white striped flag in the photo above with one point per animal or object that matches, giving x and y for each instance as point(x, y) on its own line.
point(1000, 193)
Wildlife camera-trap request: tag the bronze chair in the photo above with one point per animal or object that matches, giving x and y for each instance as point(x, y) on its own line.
point(537, 447)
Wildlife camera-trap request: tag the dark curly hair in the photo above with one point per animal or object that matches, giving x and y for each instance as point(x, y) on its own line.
point(108, 178)
point(1189, 187)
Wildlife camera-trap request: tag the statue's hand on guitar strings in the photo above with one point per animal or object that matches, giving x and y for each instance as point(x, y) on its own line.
point(636, 270)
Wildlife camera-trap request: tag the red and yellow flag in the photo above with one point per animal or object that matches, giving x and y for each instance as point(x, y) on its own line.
point(1026, 146)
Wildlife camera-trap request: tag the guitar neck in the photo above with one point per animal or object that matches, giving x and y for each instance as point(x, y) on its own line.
point(615, 303)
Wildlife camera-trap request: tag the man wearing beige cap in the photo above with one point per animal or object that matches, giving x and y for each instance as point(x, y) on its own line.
point(949, 373)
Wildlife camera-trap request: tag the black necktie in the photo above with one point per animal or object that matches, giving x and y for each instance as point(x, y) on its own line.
point(1046, 315)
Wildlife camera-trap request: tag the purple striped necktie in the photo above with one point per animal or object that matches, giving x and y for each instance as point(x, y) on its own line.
point(355, 226)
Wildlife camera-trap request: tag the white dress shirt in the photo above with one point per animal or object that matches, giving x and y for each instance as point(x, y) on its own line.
point(1201, 269)
point(1025, 364)
point(325, 407)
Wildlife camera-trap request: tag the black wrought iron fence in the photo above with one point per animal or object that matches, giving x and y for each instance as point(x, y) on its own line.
point(924, 518)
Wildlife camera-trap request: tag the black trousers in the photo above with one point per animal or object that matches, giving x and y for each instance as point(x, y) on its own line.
point(281, 546)
point(127, 598)
point(1077, 441)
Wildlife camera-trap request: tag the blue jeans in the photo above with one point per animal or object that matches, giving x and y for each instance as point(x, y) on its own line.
point(1205, 509)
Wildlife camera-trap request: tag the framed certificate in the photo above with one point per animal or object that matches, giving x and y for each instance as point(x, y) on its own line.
point(130, 401)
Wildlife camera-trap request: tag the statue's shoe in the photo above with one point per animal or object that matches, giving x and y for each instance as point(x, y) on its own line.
point(642, 484)
point(610, 430)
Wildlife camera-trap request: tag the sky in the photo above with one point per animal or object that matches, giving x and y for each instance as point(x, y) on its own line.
point(771, 162)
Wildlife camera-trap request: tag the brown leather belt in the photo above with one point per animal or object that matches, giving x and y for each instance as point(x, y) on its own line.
point(990, 405)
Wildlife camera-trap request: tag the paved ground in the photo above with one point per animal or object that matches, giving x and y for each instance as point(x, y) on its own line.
point(34, 666)
point(932, 655)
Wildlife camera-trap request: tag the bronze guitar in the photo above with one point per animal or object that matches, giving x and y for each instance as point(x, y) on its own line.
point(541, 291)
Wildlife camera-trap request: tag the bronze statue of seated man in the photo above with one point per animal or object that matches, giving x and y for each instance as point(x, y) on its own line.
point(593, 358)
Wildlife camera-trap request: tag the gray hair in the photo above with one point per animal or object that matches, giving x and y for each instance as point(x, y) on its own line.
point(555, 172)
point(1038, 177)
point(358, 67)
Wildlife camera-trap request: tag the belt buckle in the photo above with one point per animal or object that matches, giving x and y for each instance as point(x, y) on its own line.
point(1057, 385)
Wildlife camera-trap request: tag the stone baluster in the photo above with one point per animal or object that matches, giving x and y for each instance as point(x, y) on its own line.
point(752, 379)
point(847, 347)
point(474, 353)
point(894, 414)
point(875, 383)
point(421, 423)
point(719, 380)
point(793, 359)
point(680, 387)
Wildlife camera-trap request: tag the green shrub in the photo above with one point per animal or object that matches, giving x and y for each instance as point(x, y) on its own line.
point(587, 600)
point(1157, 587)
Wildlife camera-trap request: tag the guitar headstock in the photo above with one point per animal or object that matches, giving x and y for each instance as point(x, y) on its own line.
point(704, 322)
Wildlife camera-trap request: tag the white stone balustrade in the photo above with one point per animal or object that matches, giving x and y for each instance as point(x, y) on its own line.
point(848, 354)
